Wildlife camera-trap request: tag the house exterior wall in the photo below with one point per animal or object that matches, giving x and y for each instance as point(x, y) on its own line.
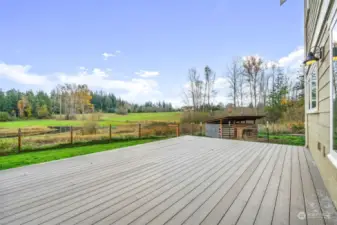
point(319, 15)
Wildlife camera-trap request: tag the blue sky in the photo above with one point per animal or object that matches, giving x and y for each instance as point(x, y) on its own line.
point(149, 44)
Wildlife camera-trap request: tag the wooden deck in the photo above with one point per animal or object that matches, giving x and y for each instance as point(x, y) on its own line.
point(185, 180)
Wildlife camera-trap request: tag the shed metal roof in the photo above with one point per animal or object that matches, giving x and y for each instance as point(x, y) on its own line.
point(237, 118)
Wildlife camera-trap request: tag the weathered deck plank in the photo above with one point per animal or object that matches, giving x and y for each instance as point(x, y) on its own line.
point(252, 207)
point(313, 213)
point(297, 206)
point(185, 180)
point(282, 207)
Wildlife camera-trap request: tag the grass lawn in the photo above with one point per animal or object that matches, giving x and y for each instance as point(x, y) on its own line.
point(39, 123)
point(285, 139)
point(28, 158)
point(107, 118)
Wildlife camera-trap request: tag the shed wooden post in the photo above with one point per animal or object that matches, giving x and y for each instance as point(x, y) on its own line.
point(71, 135)
point(139, 130)
point(220, 128)
point(19, 140)
point(229, 128)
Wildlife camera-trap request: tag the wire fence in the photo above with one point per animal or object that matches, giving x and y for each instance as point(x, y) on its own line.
point(32, 139)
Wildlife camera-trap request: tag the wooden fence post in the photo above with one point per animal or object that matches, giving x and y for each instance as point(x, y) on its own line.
point(200, 128)
point(139, 130)
point(110, 132)
point(192, 129)
point(71, 134)
point(220, 129)
point(267, 132)
point(178, 130)
point(19, 140)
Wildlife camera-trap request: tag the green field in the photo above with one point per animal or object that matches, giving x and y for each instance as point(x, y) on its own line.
point(106, 119)
point(284, 139)
point(28, 158)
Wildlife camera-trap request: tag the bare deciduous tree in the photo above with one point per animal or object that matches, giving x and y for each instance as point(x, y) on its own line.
point(264, 85)
point(195, 89)
point(200, 93)
point(252, 69)
point(209, 91)
point(234, 76)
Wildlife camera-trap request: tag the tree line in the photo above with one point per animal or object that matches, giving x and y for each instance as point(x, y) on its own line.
point(251, 82)
point(68, 100)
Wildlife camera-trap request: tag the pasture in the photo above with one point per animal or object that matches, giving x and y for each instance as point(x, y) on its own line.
point(105, 119)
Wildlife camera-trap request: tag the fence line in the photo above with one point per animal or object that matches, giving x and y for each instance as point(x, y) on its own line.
point(30, 140)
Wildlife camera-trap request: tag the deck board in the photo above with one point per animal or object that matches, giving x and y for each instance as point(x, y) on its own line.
point(312, 208)
point(282, 206)
point(185, 180)
point(297, 199)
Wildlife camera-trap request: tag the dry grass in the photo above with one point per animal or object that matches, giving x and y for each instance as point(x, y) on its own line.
point(158, 129)
point(9, 132)
point(31, 142)
point(283, 128)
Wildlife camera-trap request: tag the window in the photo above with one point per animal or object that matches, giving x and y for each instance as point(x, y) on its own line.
point(312, 88)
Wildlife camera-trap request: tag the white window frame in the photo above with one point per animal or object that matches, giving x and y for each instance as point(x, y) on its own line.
point(313, 69)
point(332, 153)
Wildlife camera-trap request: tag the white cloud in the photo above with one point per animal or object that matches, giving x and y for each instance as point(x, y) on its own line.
point(270, 64)
point(99, 73)
point(107, 55)
point(133, 90)
point(220, 83)
point(294, 59)
point(144, 73)
point(21, 74)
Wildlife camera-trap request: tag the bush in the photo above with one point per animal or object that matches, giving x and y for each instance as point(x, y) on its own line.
point(4, 116)
point(95, 116)
point(70, 117)
point(7, 145)
point(42, 112)
point(90, 127)
point(297, 127)
point(122, 110)
point(195, 117)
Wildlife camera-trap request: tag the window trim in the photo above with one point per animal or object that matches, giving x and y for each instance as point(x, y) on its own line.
point(332, 156)
point(308, 89)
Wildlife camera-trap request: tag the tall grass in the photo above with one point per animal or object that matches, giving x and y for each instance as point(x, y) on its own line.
point(282, 128)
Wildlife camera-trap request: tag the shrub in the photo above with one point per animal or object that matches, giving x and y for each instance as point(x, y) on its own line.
point(70, 117)
point(7, 145)
point(195, 117)
point(122, 110)
point(297, 127)
point(95, 116)
point(42, 112)
point(4, 116)
point(90, 127)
